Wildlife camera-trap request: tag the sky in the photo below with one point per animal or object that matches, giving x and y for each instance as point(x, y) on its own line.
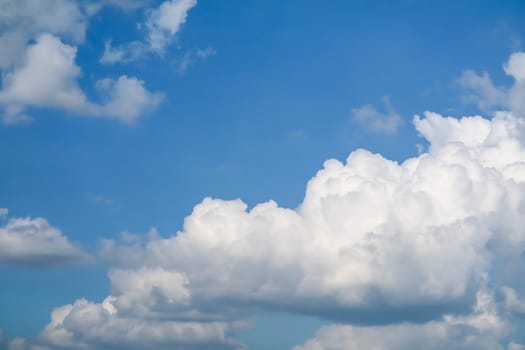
point(304, 175)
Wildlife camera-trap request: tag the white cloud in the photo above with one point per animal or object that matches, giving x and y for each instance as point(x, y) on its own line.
point(22, 20)
point(33, 242)
point(123, 53)
point(374, 242)
point(483, 329)
point(162, 25)
point(481, 90)
point(38, 47)
point(512, 302)
point(128, 99)
point(3, 213)
point(376, 121)
point(191, 57)
point(15, 115)
point(85, 325)
point(165, 21)
point(48, 77)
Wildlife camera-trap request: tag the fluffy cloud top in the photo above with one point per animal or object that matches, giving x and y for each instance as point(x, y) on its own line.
point(22, 20)
point(38, 46)
point(48, 77)
point(405, 252)
point(392, 248)
point(35, 243)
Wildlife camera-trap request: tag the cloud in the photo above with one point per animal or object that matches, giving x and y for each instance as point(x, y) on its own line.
point(390, 248)
point(375, 121)
point(22, 20)
point(127, 98)
point(165, 21)
point(85, 325)
point(123, 53)
point(48, 77)
point(3, 213)
point(35, 243)
point(372, 238)
point(398, 254)
point(191, 57)
point(480, 89)
point(38, 47)
point(483, 329)
point(161, 26)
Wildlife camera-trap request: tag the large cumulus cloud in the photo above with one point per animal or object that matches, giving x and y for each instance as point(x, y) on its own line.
point(374, 243)
point(424, 253)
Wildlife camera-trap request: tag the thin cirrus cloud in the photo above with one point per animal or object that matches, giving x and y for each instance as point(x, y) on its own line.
point(427, 251)
point(35, 243)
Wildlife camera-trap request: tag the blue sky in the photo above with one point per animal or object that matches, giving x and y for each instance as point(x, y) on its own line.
point(237, 99)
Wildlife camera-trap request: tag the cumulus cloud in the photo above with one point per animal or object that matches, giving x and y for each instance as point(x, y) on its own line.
point(372, 238)
point(35, 243)
point(38, 47)
point(483, 329)
point(369, 117)
point(391, 248)
point(85, 325)
point(480, 89)
point(162, 25)
point(22, 20)
point(48, 77)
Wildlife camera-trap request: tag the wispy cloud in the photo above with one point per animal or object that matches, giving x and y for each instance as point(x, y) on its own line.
point(479, 88)
point(370, 118)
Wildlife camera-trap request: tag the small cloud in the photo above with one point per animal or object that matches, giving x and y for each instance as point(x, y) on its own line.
point(3, 213)
point(14, 115)
point(48, 77)
point(103, 200)
point(381, 122)
point(516, 44)
point(161, 26)
point(165, 21)
point(297, 135)
point(205, 53)
point(122, 53)
point(191, 57)
point(35, 243)
point(480, 89)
